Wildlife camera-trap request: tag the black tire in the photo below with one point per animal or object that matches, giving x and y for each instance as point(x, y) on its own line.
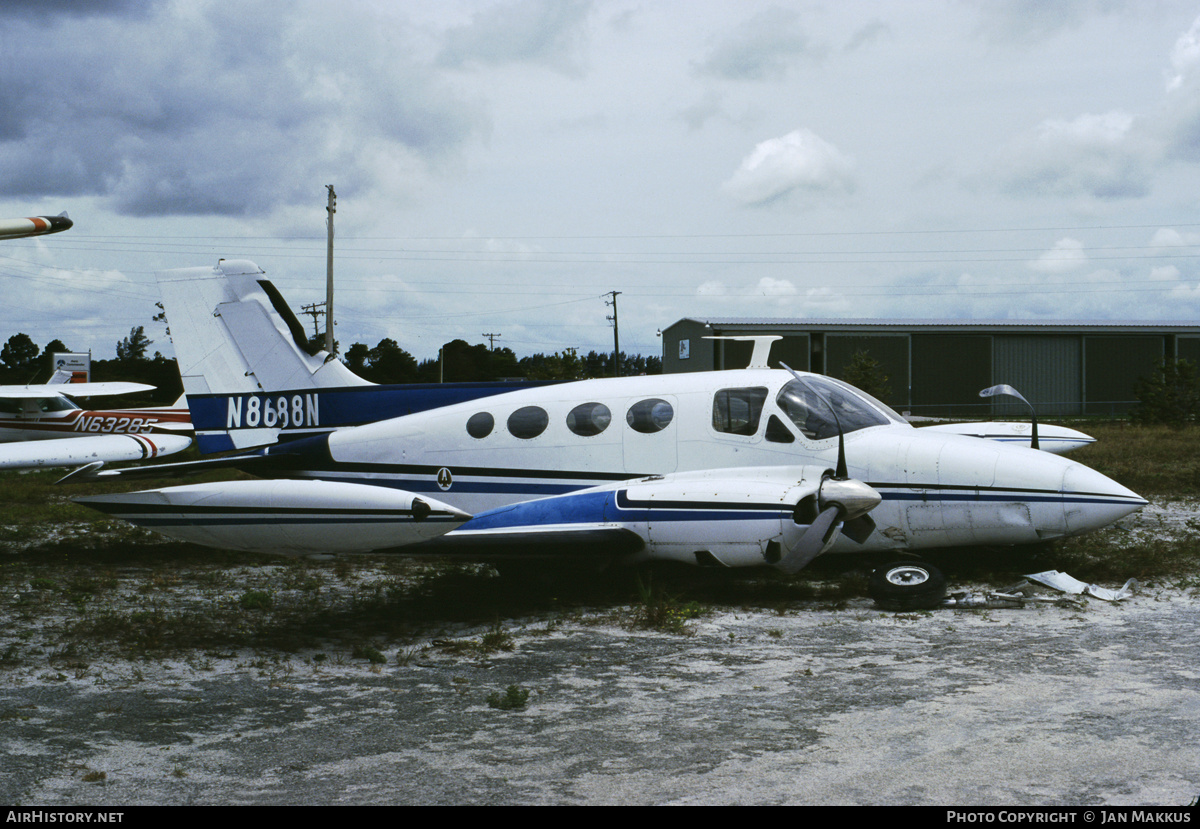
point(907, 585)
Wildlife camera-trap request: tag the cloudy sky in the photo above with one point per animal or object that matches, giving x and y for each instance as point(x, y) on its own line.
point(501, 166)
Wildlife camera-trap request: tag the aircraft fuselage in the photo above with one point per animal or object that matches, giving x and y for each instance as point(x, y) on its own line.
point(937, 489)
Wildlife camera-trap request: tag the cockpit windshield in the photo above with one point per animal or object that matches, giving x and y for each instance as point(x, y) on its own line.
point(807, 402)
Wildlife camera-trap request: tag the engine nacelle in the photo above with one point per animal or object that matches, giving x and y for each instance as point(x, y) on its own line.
point(743, 517)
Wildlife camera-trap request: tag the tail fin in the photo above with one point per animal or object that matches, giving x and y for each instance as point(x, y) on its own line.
point(249, 376)
point(235, 336)
point(233, 332)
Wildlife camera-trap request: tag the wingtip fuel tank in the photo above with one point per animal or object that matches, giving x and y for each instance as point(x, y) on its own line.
point(34, 226)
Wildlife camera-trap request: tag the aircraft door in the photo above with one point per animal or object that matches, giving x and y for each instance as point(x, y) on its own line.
point(650, 436)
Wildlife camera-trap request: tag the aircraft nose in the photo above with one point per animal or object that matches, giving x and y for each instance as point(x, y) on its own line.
point(1092, 500)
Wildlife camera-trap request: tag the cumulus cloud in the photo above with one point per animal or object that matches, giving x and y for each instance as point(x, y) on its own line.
point(1096, 155)
point(799, 162)
point(1169, 237)
point(215, 109)
point(1027, 21)
point(763, 47)
point(768, 286)
point(1185, 56)
point(1066, 255)
point(550, 33)
point(872, 32)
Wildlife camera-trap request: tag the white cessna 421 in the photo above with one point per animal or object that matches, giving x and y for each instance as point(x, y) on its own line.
point(727, 468)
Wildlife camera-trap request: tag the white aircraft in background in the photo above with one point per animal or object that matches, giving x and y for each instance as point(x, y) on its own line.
point(1056, 439)
point(34, 226)
point(40, 426)
point(730, 468)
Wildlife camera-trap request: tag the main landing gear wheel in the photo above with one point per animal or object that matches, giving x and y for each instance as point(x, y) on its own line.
point(907, 585)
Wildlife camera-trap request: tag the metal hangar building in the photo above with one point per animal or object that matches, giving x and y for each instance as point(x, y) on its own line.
point(937, 368)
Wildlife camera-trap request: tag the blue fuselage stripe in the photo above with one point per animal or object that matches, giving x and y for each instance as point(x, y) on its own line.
point(889, 492)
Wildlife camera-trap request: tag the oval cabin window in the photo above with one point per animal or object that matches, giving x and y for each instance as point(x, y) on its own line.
point(528, 422)
point(589, 419)
point(480, 425)
point(650, 416)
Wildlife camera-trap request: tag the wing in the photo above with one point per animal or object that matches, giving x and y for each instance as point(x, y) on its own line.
point(74, 389)
point(34, 226)
point(82, 451)
point(779, 516)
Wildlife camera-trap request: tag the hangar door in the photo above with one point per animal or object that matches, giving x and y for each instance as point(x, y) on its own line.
point(889, 350)
point(1047, 370)
point(1114, 365)
point(948, 372)
point(1188, 348)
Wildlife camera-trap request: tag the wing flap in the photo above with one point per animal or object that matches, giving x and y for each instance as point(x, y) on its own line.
point(534, 542)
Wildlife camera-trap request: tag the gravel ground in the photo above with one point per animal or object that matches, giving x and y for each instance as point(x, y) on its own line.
point(1092, 704)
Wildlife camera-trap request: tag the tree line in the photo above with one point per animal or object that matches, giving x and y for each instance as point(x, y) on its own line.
point(461, 362)
point(22, 361)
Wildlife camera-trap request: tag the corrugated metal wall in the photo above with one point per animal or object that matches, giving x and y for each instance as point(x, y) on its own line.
point(941, 374)
point(1045, 369)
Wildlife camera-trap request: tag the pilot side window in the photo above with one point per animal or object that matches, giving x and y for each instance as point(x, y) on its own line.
point(480, 425)
point(737, 411)
point(650, 416)
point(589, 419)
point(528, 422)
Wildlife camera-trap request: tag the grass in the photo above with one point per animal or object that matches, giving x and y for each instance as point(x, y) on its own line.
point(1150, 460)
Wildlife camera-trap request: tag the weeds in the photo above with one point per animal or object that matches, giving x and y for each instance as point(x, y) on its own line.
point(658, 610)
point(256, 600)
point(496, 639)
point(369, 652)
point(514, 698)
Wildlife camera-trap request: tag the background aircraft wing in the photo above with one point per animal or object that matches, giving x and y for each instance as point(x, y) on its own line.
point(34, 226)
point(74, 389)
point(34, 454)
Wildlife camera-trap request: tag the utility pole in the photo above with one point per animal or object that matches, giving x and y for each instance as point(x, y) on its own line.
point(314, 310)
point(331, 208)
point(616, 333)
point(492, 340)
